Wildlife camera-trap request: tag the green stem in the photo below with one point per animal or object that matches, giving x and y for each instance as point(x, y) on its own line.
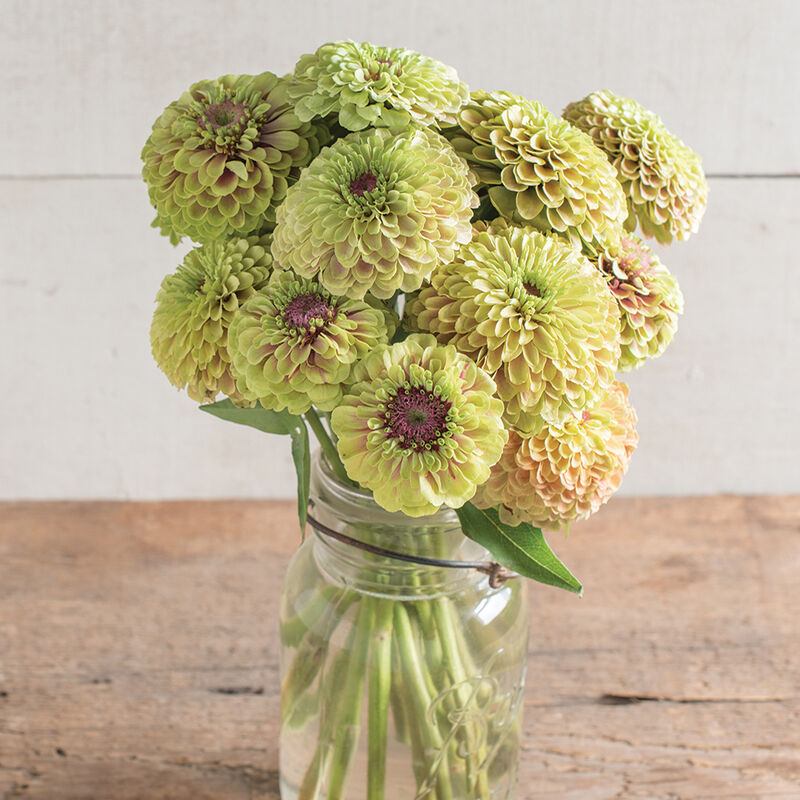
point(326, 415)
point(450, 651)
point(431, 646)
point(327, 445)
point(347, 728)
point(316, 611)
point(399, 700)
point(310, 656)
point(334, 676)
point(309, 788)
point(414, 669)
point(300, 676)
point(455, 654)
point(380, 682)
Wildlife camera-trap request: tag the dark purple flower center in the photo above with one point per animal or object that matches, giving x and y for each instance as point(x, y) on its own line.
point(220, 115)
point(531, 289)
point(365, 182)
point(416, 418)
point(305, 308)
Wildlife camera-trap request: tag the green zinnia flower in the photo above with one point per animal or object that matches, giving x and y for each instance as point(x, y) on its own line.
point(294, 344)
point(649, 300)
point(189, 333)
point(375, 86)
point(662, 178)
point(539, 169)
point(220, 158)
point(420, 426)
point(376, 212)
point(533, 313)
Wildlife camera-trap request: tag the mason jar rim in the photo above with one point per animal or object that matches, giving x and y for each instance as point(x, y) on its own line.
point(356, 494)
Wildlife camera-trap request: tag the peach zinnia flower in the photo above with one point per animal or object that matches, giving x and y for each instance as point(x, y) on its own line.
point(558, 474)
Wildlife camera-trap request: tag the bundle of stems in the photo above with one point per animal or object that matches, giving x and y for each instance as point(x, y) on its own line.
point(408, 666)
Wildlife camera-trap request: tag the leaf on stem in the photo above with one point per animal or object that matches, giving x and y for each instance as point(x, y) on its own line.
point(522, 548)
point(281, 423)
point(257, 417)
point(400, 335)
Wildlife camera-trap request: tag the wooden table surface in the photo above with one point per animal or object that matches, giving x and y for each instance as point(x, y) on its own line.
point(139, 652)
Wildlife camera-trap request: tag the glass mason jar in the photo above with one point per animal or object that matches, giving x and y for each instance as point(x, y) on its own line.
point(399, 680)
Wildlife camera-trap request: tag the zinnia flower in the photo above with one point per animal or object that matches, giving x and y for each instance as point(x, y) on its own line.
point(294, 344)
point(531, 311)
point(189, 333)
point(556, 474)
point(540, 170)
point(420, 426)
point(376, 212)
point(649, 300)
point(662, 178)
point(375, 86)
point(220, 158)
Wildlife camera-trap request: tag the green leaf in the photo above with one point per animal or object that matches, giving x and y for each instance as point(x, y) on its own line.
point(261, 418)
point(281, 423)
point(522, 548)
point(400, 335)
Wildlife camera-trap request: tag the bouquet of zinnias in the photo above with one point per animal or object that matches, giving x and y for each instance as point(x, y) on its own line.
point(442, 285)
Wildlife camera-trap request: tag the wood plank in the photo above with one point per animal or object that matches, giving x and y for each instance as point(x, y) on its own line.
point(138, 652)
point(88, 414)
point(83, 81)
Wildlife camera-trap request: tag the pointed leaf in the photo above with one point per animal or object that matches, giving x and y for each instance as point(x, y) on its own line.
point(261, 418)
point(522, 548)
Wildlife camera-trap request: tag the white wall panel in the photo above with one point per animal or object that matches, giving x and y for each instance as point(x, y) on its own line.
point(719, 411)
point(84, 410)
point(84, 79)
point(86, 413)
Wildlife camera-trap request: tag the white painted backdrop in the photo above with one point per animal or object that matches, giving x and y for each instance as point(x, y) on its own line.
point(85, 413)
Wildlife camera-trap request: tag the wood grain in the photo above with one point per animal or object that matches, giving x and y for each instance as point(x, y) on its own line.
point(138, 652)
